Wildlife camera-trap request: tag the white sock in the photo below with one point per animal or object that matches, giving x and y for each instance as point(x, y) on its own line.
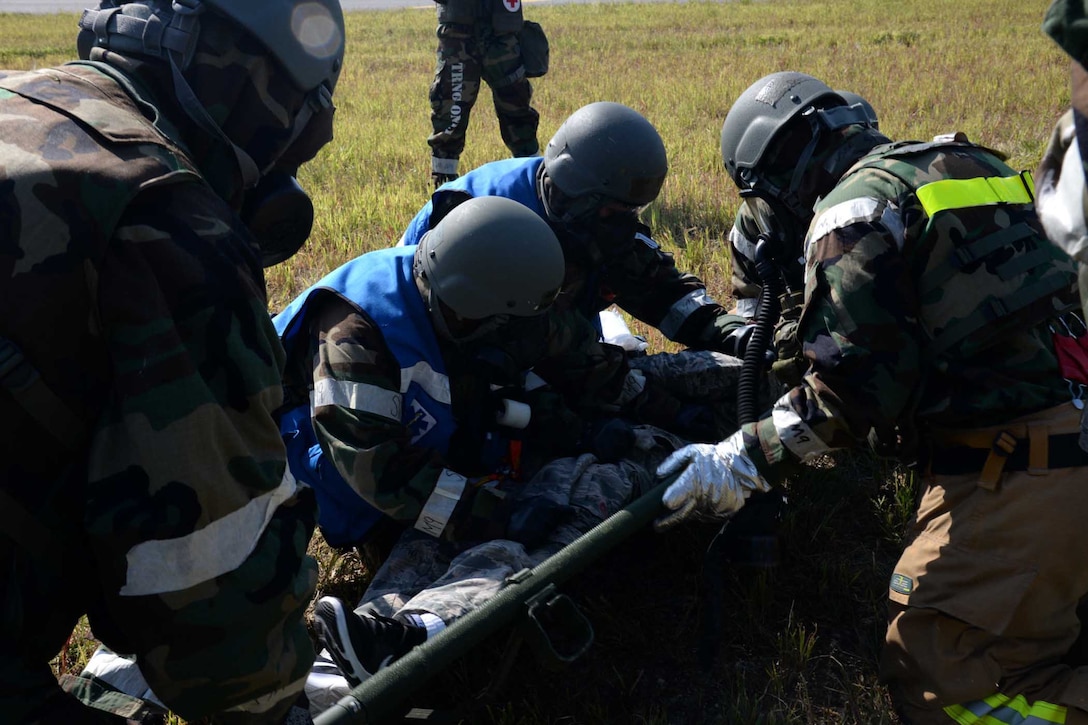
point(425, 620)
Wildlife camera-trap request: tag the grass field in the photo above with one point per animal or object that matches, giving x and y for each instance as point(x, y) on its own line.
point(799, 643)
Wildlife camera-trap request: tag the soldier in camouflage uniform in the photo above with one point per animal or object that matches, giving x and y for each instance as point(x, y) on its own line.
point(440, 390)
point(479, 40)
point(602, 166)
point(1063, 192)
point(145, 482)
point(927, 289)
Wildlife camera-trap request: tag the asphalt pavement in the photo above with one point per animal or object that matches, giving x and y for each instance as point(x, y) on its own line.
point(76, 6)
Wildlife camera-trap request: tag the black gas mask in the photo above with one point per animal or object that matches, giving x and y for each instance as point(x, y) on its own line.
point(279, 214)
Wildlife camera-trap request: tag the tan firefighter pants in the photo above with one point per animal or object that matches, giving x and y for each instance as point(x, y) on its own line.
point(984, 597)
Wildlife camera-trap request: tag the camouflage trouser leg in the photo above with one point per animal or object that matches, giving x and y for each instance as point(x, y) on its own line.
point(453, 94)
point(425, 575)
point(701, 377)
point(511, 92)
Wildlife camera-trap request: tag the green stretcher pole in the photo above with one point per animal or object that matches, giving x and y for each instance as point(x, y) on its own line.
point(378, 697)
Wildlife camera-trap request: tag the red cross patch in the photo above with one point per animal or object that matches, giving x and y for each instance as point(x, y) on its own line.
point(512, 5)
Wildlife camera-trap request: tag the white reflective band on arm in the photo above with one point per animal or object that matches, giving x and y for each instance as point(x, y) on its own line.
point(794, 432)
point(748, 307)
point(681, 310)
point(745, 247)
point(439, 507)
point(865, 209)
point(434, 384)
point(173, 565)
point(363, 397)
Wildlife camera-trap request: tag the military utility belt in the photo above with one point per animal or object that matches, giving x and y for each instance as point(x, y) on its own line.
point(1049, 440)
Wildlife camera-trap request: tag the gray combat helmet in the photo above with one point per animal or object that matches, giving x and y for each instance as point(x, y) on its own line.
point(490, 257)
point(305, 36)
point(603, 152)
point(760, 116)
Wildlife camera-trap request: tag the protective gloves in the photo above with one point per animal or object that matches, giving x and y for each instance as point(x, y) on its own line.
point(715, 481)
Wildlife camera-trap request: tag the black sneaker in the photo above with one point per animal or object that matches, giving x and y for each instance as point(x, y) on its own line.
point(362, 644)
point(440, 179)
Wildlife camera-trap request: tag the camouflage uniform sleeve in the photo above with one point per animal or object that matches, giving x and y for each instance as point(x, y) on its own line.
point(745, 281)
point(644, 281)
point(595, 378)
point(858, 334)
point(374, 453)
point(589, 373)
point(200, 531)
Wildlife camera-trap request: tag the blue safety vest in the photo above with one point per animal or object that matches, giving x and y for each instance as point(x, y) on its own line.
point(380, 283)
point(511, 178)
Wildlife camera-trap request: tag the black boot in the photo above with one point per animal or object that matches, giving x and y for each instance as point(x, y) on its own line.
point(440, 179)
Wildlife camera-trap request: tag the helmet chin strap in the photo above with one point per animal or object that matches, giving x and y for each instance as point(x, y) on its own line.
point(196, 111)
point(821, 121)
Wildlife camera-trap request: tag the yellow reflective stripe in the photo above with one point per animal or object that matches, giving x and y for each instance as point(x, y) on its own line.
point(960, 193)
point(999, 709)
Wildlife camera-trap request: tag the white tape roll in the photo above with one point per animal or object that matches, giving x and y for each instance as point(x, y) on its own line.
point(513, 414)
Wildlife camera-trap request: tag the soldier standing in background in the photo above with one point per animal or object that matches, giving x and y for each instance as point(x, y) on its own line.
point(144, 482)
point(479, 40)
point(928, 292)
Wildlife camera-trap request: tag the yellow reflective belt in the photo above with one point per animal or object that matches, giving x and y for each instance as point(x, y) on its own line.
point(998, 709)
point(959, 193)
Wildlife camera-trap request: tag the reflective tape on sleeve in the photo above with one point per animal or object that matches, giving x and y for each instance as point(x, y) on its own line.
point(173, 565)
point(434, 383)
point(681, 311)
point(794, 432)
point(439, 508)
point(362, 397)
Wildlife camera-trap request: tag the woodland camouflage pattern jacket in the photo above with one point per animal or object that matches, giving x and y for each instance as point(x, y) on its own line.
point(137, 295)
point(923, 302)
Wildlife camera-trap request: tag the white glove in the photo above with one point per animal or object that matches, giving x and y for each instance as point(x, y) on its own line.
point(716, 481)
